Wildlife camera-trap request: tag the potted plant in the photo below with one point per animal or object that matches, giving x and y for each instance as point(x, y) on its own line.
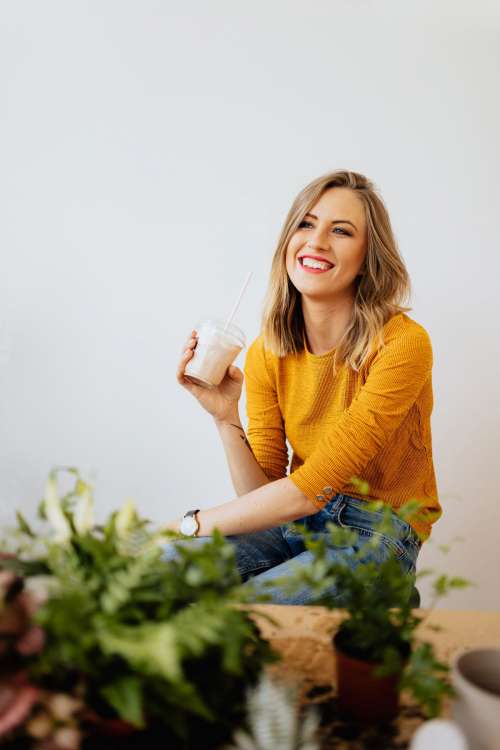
point(275, 719)
point(378, 653)
point(120, 641)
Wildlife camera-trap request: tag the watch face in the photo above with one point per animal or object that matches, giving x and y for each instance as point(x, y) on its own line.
point(188, 525)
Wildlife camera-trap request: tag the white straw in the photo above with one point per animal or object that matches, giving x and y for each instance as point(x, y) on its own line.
point(233, 311)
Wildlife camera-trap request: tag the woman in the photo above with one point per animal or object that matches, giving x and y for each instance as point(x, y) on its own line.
point(341, 373)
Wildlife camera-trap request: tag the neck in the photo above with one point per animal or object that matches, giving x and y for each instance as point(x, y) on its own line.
point(326, 322)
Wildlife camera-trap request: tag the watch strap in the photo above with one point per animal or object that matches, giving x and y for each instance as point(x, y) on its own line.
point(191, 512)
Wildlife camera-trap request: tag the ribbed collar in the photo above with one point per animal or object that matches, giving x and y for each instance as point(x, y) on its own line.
point(318, 358)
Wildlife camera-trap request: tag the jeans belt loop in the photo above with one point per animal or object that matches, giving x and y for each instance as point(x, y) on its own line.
point(339, 503)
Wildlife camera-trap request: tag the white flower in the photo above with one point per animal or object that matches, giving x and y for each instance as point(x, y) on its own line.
point(54, 512)
point(63, 706)
point(274, 720)
point(124, 519)
point(84, 511)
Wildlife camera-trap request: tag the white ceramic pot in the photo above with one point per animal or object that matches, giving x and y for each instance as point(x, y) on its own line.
point(438, 734)
point(476, 709)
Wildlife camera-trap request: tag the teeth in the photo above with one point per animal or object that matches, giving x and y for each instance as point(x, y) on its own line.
point(315, 263)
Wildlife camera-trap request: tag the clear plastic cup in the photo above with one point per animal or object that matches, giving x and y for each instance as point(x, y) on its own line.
point(215, 351)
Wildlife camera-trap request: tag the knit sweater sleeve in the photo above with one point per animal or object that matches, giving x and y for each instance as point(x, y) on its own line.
point(265, 431)
point(394, 381)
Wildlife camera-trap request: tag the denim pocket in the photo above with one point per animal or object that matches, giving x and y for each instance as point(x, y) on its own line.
point(352, 515)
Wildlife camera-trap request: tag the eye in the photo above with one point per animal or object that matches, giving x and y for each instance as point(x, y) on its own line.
point(304, 224)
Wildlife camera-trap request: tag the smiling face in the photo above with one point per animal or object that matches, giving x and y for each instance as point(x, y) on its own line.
point(333, 237)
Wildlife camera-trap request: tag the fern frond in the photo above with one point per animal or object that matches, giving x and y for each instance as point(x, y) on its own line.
point(124, 581)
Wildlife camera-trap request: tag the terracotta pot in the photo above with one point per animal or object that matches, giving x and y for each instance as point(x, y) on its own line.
point(362, 695)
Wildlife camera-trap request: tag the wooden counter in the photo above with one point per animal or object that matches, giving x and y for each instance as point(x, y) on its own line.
point(302, 635)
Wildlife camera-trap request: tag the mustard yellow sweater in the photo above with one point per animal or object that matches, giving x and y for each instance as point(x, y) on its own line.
point(373, 425)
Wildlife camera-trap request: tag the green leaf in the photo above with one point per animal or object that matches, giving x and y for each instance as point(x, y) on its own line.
point(443, 584)
point(125, 695)
point(150, 648)
point(424, 573)
point(392, 663)
point(361, 485)
point(455, 582)
point(24, 567)
point(426, 679)
point(23, 525)
point(120, 587)
point(186, 697)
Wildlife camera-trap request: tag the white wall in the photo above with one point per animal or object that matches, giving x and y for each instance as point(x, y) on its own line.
point(149, 153)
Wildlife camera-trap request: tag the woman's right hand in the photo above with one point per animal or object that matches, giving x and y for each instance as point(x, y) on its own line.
point(222, 401)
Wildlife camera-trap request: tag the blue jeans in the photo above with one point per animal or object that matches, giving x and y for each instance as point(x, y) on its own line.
point(264, 556)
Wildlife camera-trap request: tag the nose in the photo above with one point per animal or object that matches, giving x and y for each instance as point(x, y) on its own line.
point(317, 237)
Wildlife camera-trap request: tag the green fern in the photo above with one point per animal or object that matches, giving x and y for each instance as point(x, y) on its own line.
point(120, 585)
point(154, 642)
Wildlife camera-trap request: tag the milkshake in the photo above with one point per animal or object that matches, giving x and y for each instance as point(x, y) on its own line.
point(218, 346)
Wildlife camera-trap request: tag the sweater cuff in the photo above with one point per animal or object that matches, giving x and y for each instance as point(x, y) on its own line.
point(313, 487)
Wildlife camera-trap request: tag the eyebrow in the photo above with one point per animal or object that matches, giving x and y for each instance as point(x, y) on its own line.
point(337, 221)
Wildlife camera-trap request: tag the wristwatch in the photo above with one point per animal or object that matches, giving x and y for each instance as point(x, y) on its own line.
point(189, 524)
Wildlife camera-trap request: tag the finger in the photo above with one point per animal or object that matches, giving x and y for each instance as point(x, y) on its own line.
point(191, 387)
point(235, 373)
point(186, 351)
point(190, 344)
point(186, 356)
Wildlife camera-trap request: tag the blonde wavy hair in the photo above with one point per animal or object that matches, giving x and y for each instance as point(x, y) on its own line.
point(381, 289)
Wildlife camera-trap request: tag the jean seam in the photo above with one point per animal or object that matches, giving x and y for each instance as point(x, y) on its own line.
point(409, 559)
point(412, 538)
point(411, 545)
point(265, 565)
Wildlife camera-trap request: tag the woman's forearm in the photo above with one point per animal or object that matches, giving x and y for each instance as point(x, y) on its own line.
point(246, 474)
point(271, 505)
